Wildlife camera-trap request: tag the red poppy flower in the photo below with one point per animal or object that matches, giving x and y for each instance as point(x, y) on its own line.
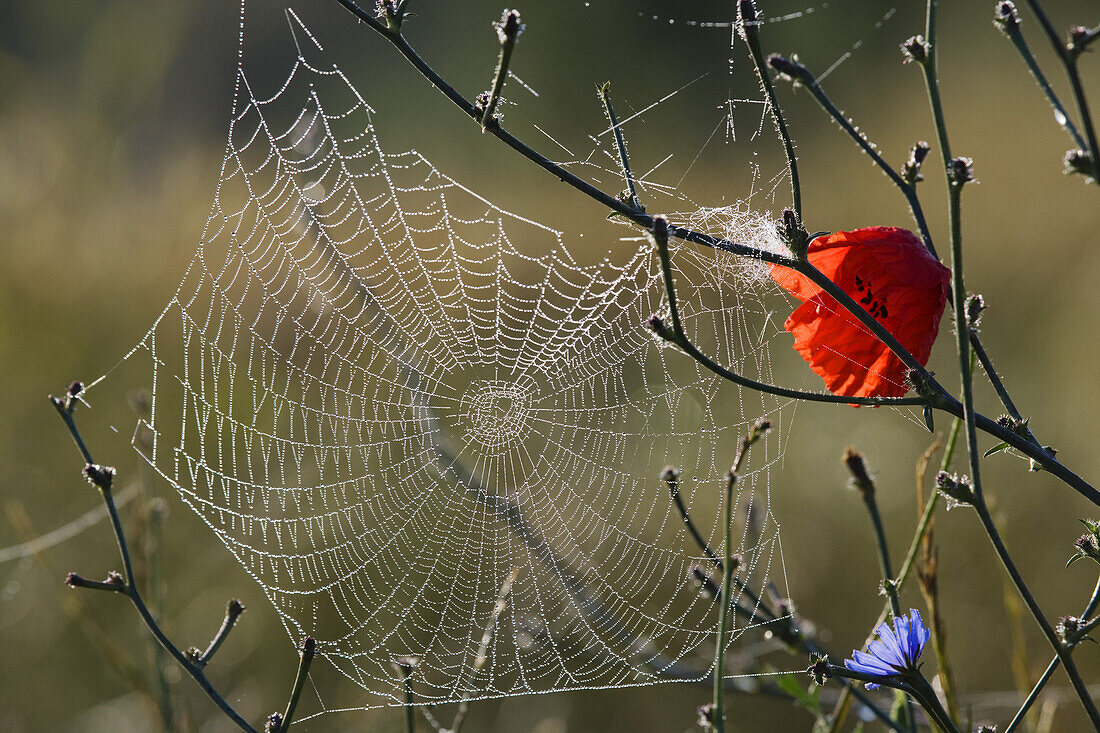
point(891, 274)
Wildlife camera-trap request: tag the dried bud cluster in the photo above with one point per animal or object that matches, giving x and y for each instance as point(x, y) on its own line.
point(955, 487)
point(914, 49)
point(1088, 544)
point(861, 479)
point(101, 476)
point(509, 26)
point(1006, 17)
point(975, 306)
point(910, 171)
point(819, 669)
point(1077, 162)
point(961, 170)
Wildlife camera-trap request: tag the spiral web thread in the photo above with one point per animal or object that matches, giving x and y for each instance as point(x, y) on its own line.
point(389, 398)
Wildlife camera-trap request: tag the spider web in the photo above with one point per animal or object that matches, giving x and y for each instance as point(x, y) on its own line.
point(394, 401)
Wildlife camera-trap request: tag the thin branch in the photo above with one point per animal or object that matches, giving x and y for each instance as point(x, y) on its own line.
point(728, 562)
point(1068, 55)
point(1060, 650)
point(309, 649)
point(508, 29)
point(103, 478)
point(750, 30)
point(1008, 21)
point(604, 90)
point(1090, 608)
point(233, 610)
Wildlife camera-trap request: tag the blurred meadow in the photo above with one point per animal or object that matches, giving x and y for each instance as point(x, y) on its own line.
point(113, 117)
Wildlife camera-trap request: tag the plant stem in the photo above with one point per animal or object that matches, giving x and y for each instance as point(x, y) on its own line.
point(1012, 30)
point(866, 487)
point(750, 29)
point(909, 191)
point(1029, 600)
point(1090, 608)
point(129, 588)
point(604, 91)
point(309, 648)
point(1069, 62)
point(508, 30)
point(728, 562)
point(723, 610)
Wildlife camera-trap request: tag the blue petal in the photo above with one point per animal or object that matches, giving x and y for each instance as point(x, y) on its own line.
point(918, 635)
point(868, 663)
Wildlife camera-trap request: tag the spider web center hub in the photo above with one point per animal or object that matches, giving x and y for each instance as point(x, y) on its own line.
point(495, 414)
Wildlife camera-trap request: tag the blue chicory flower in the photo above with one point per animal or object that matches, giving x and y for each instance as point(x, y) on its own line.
point(896, 649)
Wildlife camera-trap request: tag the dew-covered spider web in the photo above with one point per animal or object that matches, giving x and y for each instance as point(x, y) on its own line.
point(433, 430)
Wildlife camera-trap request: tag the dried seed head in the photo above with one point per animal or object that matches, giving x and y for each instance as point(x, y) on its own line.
point(1006, 17)
point(914, 48)
point(910, 171)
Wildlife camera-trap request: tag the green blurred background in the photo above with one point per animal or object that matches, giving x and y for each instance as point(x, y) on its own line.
point(112, 124)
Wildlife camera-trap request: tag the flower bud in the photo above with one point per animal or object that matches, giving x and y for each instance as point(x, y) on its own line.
point(1077, 162)
point(1006, 17)
point(910, 171)
point(101, 476)
point(787, 69)
point(961, 170)
point(509, 26)
point(1068, 626)
point(861, 480)
point(705, 715)
point(975, 305)
point(955, 487)
point(914, 49)
point(819, 669)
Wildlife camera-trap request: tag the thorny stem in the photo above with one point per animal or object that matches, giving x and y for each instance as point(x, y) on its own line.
point(65, 409)
point(604, 91)
point(1069, 61)
point(1011, 28)
point(942, 400)
point(508, 30)
point(1060, 650)
point(1090, 608)
point(750, 28)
